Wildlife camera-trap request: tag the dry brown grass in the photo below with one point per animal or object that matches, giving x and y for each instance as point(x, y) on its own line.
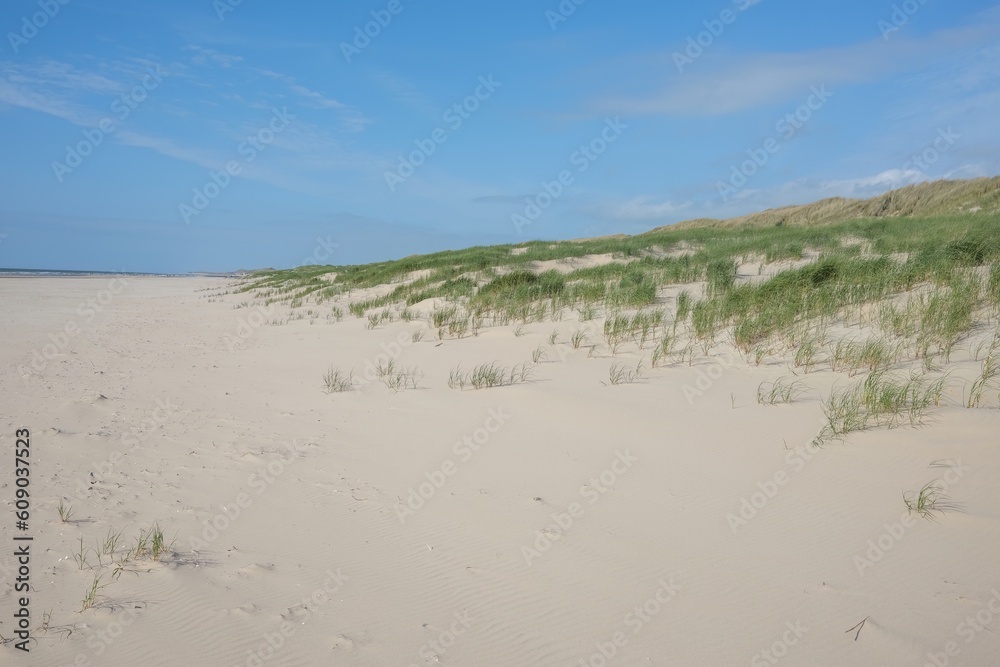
point(928, 199)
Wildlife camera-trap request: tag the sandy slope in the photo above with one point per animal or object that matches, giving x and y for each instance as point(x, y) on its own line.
point(561, 518)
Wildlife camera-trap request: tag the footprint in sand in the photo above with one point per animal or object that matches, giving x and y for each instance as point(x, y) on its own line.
point(255, 570)
point(343, 642)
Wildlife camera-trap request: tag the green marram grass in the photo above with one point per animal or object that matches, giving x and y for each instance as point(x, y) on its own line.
point(487, 376)
point(492, 286)
point(903, 279)
point(930, 500)
point(881, 399)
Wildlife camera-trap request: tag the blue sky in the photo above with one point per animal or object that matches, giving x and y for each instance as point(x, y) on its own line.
point(209, 135)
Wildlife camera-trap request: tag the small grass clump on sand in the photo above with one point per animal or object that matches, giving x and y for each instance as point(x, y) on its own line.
point(111, 542)
point(779, 391)
point(538, 355)
point(663, 349)
point(336, 381)
point(157, 544)
point(486, 376)
point(946, 315)
point(927, 501)
point(684, 304)
point(987, 377)
point(65, 511)
point(880, 400)
point(92, 595)
point(80, 555)
point(621, 374)
point(721, 276)
point(441, 317)
point(869, 355)
point(395, 377)
point(150, 543)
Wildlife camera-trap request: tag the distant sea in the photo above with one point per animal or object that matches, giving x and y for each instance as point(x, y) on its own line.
point(55, 273)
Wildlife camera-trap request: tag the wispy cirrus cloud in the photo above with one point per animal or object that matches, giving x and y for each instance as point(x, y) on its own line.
point(62, 90)
point(169, 148)
point(406, 93)
point(723, 84)
point(210, 57)
point(352, 118)
point(643, 208)
point(501, 199)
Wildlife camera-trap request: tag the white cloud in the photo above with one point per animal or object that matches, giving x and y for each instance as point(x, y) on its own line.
point(56, 89)
point(405, 93)
point(352, 118)
point(205, 57)
point(639, 208)
point(168, 147)
point(721, 82)
point(873, 185)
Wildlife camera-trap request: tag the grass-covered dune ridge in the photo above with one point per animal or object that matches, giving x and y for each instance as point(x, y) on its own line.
point(915, 225)
point(923, 199)
point(506, 278)
point(887, 297)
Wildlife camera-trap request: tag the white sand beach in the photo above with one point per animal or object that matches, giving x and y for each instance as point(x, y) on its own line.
point(562, 521)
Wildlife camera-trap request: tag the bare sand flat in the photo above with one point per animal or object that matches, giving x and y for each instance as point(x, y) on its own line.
point(563, 521)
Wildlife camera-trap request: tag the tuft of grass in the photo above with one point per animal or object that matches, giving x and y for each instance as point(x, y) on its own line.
point(880, 400)
point(337, 381)
point(396, 378)
point(684, 305)
point(927, 501)
point(519, 330)
point(141, 547)
point(65, 511)
point(80, 556)
point(157, 544)
point(617, 329)
point(872, 354)
point(457, 378)
point(486, 376)
point(91, 597)
point(946, 315)
point(458, 327)
point(986, 379)
point(441, 317)
point(554, 337)
point(721, 276)
point(663, 350)
point(111, 542)
point(538, 355)
point(578, 338)
point(808, 351)
point(384, 369)
point(620, 374)
point(779, 391)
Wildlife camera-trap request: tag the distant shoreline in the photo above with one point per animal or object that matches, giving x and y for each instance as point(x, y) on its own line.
point(53, 273)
